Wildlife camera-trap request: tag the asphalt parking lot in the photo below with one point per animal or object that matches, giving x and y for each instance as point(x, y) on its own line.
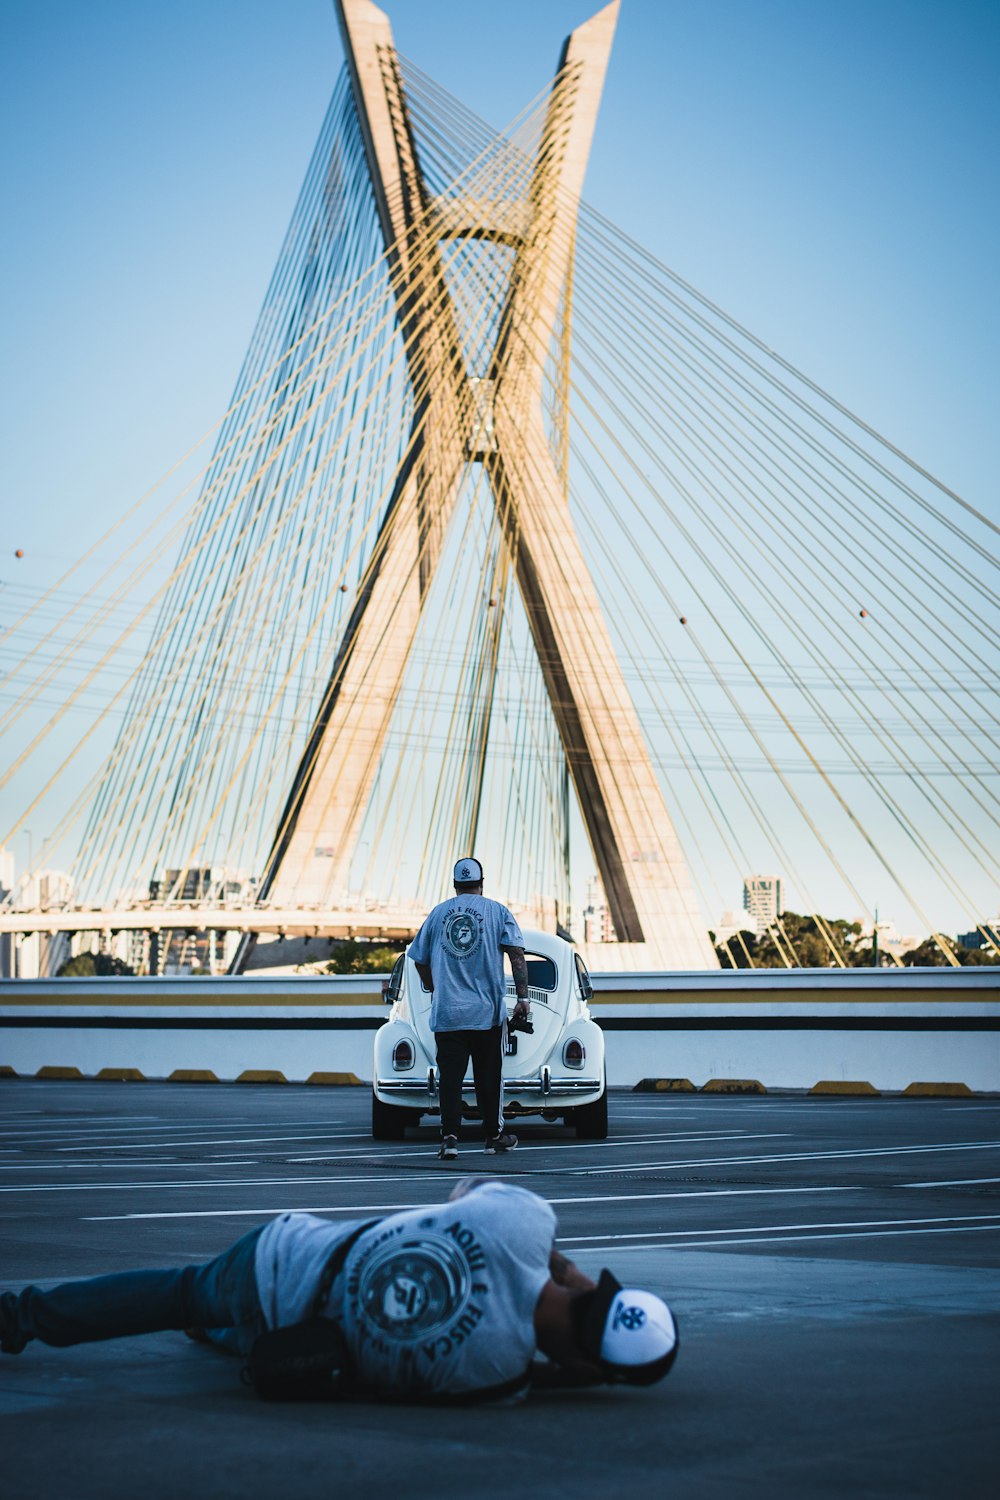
point(833, 1264)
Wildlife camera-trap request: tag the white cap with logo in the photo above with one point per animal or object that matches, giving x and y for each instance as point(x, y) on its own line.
point(468, 872)
point(631, 1333)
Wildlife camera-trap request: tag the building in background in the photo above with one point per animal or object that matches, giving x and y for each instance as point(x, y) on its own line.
point(6, 938)
point(977, 937)
point(762, 900)
point(892, 944)
point(174, 952)
point(34, 955)
point(730, 923)
point(597, 924)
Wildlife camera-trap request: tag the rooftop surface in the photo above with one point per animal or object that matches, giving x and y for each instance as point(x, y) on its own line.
point(833, 1264)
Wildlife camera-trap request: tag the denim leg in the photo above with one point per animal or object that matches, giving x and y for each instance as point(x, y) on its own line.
point(224, 1296)
point(222, 1293)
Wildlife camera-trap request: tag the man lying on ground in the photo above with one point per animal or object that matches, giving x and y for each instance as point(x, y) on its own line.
point(443, 1302)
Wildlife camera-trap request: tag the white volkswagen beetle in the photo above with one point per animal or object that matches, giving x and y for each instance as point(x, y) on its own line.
point(558, 1072)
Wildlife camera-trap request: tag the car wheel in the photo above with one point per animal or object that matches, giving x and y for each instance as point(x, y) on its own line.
point(591, 1120)
point(389, 1122)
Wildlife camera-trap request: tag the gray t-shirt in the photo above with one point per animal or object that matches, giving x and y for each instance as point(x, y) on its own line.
point(462, 939)
point(438, 1300)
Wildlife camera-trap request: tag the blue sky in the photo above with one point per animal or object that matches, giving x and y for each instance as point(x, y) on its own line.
point(823, 169)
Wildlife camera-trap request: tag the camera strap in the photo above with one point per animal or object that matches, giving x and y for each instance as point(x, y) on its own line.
point(309, 1360)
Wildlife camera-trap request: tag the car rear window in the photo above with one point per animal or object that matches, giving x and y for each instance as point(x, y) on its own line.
point(542, 972)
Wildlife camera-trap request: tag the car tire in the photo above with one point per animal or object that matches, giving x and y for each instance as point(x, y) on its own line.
point(591, 1120)
point(389, 1122)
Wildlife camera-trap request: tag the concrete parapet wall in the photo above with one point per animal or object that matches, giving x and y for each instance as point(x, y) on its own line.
point(793, 1028)
point(789, 1029)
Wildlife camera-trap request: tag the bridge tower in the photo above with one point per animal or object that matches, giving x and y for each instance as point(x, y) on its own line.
point(498, 422)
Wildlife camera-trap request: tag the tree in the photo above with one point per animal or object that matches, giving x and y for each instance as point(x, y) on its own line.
point(741, 948)
point(800, 939)
point(928, 955)
point(94, 965)
point(977, 956)
point(350, 956)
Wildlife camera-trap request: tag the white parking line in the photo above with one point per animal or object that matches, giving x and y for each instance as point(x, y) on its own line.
point(235, 1140)
point(954, 1182)
point(88, 1166)
point(684, 1234)
point(687, 1138)
point(209, 1182)
point(754, 1161)
point(595, 1171)
point(363, 1208)
point(125, 1128)
point(644, 1114)
point(118, 1125)
point(801, 1239)
point(39, 1117)
point(267, 1213)
point(716, 1102)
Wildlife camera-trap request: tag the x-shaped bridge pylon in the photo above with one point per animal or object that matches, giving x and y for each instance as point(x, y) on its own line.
point(499, 421)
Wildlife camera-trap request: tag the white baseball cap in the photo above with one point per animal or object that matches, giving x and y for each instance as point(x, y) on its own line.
point(630, 1333)
point(468, 871)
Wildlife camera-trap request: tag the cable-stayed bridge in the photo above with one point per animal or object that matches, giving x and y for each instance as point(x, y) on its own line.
point(511, 541)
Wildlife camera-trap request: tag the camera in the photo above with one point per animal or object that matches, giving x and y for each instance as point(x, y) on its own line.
point(514, 1023)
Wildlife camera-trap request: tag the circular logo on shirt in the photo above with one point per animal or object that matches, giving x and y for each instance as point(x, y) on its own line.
point(461, 934)
point(410, 1290)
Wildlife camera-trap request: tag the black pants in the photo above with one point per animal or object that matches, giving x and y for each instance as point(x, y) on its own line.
point(454, 1048)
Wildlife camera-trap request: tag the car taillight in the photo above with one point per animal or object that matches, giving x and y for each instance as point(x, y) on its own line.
point(574, 1053)
point(402, 1056)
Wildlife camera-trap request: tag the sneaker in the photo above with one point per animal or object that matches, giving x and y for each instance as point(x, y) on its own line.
point(449, 1148)
point(501, 1143)
point(12, 1340)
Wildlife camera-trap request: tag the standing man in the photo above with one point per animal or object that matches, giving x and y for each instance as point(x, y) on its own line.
point(458, 953)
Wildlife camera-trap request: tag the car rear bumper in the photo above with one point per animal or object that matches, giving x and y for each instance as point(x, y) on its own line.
point(536, 1092)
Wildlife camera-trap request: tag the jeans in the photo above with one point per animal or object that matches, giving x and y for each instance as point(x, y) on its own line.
point(454, 1048)
point(219, 1296)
